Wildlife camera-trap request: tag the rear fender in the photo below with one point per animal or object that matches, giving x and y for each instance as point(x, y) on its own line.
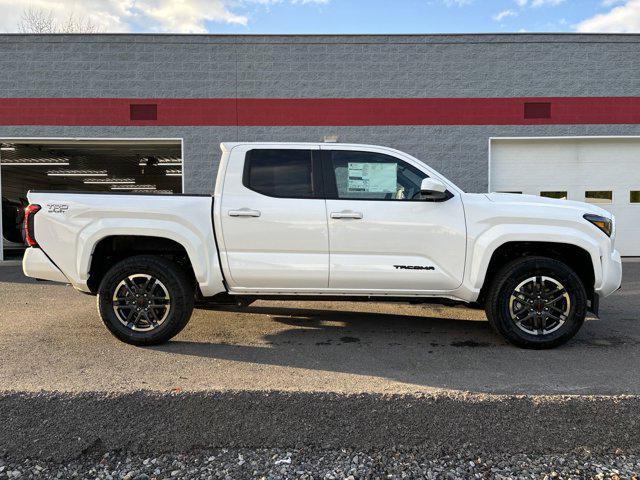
point(202, 253)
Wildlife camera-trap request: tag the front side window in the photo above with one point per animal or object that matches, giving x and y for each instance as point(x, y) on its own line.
point(374, 176)
point(280, 173)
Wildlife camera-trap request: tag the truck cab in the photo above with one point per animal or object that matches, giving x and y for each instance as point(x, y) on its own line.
point(336, 219)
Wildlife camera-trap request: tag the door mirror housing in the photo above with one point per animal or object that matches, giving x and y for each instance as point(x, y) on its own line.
point(434, 190)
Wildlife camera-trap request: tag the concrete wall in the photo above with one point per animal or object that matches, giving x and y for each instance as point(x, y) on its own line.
point(175, 66)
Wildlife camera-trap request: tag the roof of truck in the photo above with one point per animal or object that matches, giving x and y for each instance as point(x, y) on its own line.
point(226, 146)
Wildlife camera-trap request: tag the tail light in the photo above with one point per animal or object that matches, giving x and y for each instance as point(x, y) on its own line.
point(27, 226)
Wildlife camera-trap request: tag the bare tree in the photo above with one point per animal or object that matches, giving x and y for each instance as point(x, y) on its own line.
point(75, 24)
point(37, 20)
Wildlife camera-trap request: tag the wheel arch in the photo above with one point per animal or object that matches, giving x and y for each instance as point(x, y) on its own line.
point(574, 256)
point(114, 248)
point(199, 245)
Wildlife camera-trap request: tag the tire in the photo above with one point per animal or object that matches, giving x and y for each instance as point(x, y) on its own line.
point(518, 307)
point(145, 300)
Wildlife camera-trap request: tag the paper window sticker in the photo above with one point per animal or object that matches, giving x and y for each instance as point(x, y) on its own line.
point(372, 177)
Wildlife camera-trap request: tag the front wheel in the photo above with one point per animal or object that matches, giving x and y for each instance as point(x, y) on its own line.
point(536, 302)
point(145, 300)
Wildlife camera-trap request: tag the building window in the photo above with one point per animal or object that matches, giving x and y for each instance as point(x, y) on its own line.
point(557, 194)
point(634, 196)
point(280, 173)
point(598, 196)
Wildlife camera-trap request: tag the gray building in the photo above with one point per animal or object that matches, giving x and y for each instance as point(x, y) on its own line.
point(523, 113)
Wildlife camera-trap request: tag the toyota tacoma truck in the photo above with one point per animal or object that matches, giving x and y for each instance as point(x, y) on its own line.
point(326, 221)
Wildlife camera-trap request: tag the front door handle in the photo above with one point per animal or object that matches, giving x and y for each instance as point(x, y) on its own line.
point(347, 214)
point(244, 212)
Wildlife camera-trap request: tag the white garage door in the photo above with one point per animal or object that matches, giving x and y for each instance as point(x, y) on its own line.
point(605, 171)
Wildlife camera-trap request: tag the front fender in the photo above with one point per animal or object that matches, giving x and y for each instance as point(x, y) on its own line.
point(489, 241)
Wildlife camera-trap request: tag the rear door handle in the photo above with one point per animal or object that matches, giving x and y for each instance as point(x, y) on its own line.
point(347, 214)
point(244, 212)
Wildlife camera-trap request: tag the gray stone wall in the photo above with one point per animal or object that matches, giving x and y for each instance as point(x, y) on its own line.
point(182, 66)
point(458, 152)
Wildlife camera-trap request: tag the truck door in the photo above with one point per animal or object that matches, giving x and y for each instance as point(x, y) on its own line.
point(382, 235)
point(274, 221)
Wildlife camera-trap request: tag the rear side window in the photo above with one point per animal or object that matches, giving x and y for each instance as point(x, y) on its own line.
point(280, 173)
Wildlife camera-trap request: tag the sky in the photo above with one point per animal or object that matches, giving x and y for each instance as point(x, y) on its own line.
point(337, 16)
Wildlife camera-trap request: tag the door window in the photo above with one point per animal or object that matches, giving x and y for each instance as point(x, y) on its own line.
point(281, 173)
point(373, 176)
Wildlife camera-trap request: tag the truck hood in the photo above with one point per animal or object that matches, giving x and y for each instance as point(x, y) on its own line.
point(534, 200)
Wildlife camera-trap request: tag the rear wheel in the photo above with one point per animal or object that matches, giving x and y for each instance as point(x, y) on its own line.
point(145, 300)
point(536, 302)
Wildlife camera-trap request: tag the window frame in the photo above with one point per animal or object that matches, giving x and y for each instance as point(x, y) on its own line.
point(317, 180)
point(331, 187)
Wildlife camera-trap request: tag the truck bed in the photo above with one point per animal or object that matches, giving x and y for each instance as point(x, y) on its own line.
point(71, 225)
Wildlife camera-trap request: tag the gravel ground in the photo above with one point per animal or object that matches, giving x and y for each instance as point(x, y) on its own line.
point(329, 464)
point(61, 427)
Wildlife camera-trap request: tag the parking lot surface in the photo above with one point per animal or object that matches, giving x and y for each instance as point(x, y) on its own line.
point(51, 338)
point(312, 376)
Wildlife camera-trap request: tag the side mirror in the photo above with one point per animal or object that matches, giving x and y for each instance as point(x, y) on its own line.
point(432, 189)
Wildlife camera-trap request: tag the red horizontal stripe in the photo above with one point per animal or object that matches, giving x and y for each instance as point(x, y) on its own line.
point(319, 111)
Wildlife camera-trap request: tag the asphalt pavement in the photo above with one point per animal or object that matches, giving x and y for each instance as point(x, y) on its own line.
point(52, 338)
point(275, 374)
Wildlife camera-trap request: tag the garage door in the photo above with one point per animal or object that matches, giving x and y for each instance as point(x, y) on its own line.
point(604, 171)
point(151, 166)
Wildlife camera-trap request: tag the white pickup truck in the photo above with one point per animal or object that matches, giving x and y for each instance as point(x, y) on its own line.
point(326, 221)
